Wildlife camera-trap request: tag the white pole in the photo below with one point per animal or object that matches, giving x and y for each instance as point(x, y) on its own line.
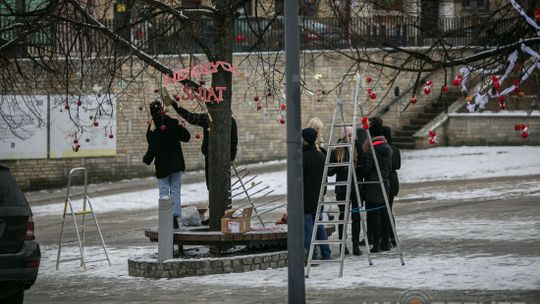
point(165, 229)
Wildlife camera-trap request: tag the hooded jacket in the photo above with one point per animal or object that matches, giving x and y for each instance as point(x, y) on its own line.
point(373, 192)
point(312, 168)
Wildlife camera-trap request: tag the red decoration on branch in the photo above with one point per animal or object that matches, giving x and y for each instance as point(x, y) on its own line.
point(259, 107)
point(368, 79)
point(111, 136)
point(282, 121)
point(283, 107)
point(432, 137)
point(197, 135)
point(524, 130)
point(427, 90)
point(256, 98)
point(96, 123)
point(537, 13)
point(372, 95)
point(79, 103)
point(412, 100)
point(444, 89)
point(365, 123)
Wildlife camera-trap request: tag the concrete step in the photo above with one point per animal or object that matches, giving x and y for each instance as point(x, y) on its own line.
point(413, 127)
point(404, 145)
point(402, 139)
point(404, 133)
point(420, 121)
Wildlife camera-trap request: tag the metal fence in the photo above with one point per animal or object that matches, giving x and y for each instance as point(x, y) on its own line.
point(157, 37)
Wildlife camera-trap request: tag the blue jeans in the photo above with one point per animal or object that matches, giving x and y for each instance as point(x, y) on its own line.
point(170, 186)
point(321, 235)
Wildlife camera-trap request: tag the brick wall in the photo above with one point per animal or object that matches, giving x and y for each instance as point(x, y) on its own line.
point(261, 136)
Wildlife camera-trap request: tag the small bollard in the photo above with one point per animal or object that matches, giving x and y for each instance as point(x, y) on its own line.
point(165, 229)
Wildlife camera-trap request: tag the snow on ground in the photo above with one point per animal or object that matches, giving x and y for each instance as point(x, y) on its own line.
point(443, 163)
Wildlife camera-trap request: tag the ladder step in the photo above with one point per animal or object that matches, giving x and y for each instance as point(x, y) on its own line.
point(72, 259)
point(327, 242)
point(82, 212)
point(333, 203)
point(370, 182)
point(344, 164)
point(340, 183)
point(339, 145)
point(92, 261)
point(329, 222)
point(343, 125)
point(317, 262)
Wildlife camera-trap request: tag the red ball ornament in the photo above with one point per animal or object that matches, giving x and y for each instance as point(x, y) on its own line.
point(502, 98)
point(444, 89)
point(79, 103)
point(368, 79)
point(372, 95)
point(282, 121)
point(163, 127)
point(523, 127)
point(256, 98)
point(364, 120)
point(365, 126)
point(197, 135)
point(524, 134)
point(517, 127)
point(75, 141)
point(432, 141)
point(412, 100)
point(432, 133)
point(259, 107)
point(456, 82)
point(78, 146)
point(537, 13)
point(429, 82)
point(496, 85)
point(177, 97)
point(156, 91)
point(96, 123)
point(111, 136)
point(66, 106)
point(516, 82)
point(369, 90)
point(427, 90)
point(283, 107)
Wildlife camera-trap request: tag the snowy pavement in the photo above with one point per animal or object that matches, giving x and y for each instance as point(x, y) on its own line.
point(468, 228)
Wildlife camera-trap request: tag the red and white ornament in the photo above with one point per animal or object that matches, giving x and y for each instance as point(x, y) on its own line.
point(283, 107)
point(432, 137)
point(412, 100)
point(444, 89)
point(372, 95)
point(197, 135)
point(427, 90)
point(365, 123)
point(282, 121)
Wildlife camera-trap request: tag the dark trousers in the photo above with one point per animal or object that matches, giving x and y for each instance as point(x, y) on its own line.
point(387, 227)
point(355, 216)
point(377, 223)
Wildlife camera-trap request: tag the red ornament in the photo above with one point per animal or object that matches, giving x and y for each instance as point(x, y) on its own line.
point(432, 141)
point(78, 146)
point(96, 123)
point(427, 90)
point(75, 141)
point(496, 85)
point(177, 97)
point(524, 134)
point(283, 107)
point(537, 13)
point(368, 79)
point(365, 126)
point(79, 103)
point(282, 121)
point(66, 106)
point(111, 136)
point(502, 106)
point(256, 98)
point(364, 120)
point(502, 98)
point(259, 107)
point(156, 91)
point(412, 100)
point(444, 89)
point(148, 122)
point(269, 94)
point(197, 135)
point(369, 90)
point(517, 127)
point(516, 82)
point(456, 82)
point(429, 82)
point(163, 127)
point(372, 95)
point(432, 133)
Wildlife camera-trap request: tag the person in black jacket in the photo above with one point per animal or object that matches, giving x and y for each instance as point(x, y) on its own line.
point(337, 156)
point(394, 180)
point(375, 204)
point(165, 150)
point(202, 120)
point(312, 169)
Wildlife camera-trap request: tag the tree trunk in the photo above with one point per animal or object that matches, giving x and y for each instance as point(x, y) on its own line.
point(219, 149)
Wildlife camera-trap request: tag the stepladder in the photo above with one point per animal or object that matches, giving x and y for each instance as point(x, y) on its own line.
point(80, 208)
point(343, 123)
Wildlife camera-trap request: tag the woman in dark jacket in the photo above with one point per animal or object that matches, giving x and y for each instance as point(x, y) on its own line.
point(202, 120)
point(338, 156)
point(394, 180)
point(374, 197)
point(165, 150)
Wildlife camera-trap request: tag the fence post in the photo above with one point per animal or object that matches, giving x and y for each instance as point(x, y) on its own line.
point(165, 229)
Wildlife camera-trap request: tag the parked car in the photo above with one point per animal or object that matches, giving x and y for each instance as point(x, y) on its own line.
point(19, 252)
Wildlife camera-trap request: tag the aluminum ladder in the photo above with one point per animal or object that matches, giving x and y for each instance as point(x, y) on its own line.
point(87, 209)
point(322, 203)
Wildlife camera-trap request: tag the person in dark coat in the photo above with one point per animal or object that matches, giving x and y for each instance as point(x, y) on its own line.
point(394, 180)
point(337, 156)
point(312, 169)
point(375, 203)
point(165, 150)
point(202, 120)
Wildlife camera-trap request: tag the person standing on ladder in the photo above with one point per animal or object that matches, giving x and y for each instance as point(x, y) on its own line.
point(313, 169)
point(165, 150)
point(338, 156)
point(375, 203)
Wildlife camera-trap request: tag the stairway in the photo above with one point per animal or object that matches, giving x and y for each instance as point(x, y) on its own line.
point(403, 137)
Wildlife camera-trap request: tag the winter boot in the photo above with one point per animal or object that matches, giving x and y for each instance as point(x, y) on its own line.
point(175, 221)
point(356, 248)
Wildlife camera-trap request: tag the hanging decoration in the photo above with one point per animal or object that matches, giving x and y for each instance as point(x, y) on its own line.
point(365, 123)
point(432, 137)
point(427, 87)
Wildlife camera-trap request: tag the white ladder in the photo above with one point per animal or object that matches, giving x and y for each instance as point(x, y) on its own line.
point(81, 240)
point(351, 175)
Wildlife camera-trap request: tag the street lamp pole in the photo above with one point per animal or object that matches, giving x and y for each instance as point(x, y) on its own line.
point(295, 206)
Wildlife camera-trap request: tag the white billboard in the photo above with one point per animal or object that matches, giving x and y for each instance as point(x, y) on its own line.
point(82, 126)
point(23, 126)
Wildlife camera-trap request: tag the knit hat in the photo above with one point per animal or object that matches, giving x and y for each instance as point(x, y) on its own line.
point(155, 108)
point(309, 135)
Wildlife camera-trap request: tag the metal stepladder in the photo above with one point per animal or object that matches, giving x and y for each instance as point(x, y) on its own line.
point(90, 211)
point(351, 176)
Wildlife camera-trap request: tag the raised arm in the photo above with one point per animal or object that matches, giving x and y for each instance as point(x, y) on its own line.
point(197, 119)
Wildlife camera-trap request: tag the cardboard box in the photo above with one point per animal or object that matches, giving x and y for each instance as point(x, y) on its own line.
point(230, 224)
